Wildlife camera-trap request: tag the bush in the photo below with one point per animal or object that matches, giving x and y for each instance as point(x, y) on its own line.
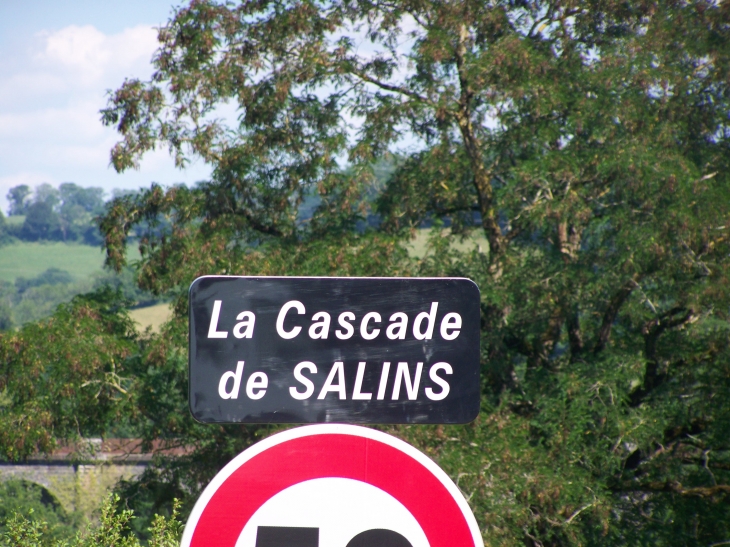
point(22, 497)
point(113, 530)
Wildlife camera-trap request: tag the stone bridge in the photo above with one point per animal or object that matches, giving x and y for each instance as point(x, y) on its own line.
point(80, 476)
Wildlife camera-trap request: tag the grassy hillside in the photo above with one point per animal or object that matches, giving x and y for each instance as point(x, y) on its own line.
point(27, 259)
point(36, 277)
point(418, 246)
point(151, 316)
point(15, 220)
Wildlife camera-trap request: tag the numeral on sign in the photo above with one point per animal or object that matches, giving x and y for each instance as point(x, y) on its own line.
point(283, 536)
point(379, 538)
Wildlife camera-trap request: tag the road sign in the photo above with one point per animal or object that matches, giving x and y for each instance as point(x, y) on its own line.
point(331, 486)
point(352, 350)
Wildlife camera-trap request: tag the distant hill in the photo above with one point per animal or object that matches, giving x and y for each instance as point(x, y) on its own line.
point(35, 277)
point(29, 259)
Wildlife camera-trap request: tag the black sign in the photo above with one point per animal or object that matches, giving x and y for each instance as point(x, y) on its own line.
point(326, 349)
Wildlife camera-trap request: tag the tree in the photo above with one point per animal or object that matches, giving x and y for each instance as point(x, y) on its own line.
point(41, 222)
point(45, 193)
point(65, 213)
point(18, 197)
point(589, 144)
point(78, 208)
point(6, 317)
point(5, 237)
point(66, 377)
point(89, 199)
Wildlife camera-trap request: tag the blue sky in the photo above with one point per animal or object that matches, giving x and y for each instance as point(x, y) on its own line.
point(57, 61)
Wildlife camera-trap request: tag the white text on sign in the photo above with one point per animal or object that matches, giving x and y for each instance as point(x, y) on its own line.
point(370, 325)
point(406, 382)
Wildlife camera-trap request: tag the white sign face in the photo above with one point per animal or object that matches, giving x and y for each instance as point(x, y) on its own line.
point(339, 508)
point(331, 486)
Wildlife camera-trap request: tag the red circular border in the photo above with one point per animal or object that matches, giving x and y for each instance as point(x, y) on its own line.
point(332, 455)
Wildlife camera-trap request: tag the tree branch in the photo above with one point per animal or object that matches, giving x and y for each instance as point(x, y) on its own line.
point(394, 88)
point(575, 337)
point(652, 331)
point(547, 341)
point(568, 241)
point(452, 210)
point(482, 175)
point(604, 333)
point(267, 229)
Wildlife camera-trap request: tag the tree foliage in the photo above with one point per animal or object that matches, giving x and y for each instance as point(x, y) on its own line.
point(18, 198)
point(65, 377)
point(587, 141)
point(66, 213)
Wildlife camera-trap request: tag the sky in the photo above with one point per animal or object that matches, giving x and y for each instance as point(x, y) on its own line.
point(58, 60)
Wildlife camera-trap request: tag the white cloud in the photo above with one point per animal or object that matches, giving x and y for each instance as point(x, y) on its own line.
point(76, 122)
point(50, 97)
point(88, 57)
point(133, 46)
point(81, 49)
point(24, 88)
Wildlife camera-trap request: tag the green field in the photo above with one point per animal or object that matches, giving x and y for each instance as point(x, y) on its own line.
point(151, 316)
point(15, 220)
point(418, 246)
point(30, 259)
point(26, 259)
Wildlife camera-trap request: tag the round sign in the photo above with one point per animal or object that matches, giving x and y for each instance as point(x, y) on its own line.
point(331, 486)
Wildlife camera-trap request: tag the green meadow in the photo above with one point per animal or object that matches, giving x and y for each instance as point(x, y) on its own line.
point(84, 265)
point(26, 259)
point(151, 316)
point(29, 259)
point(419, 245)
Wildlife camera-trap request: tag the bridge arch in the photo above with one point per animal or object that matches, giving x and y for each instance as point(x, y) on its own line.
point(77, 486)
